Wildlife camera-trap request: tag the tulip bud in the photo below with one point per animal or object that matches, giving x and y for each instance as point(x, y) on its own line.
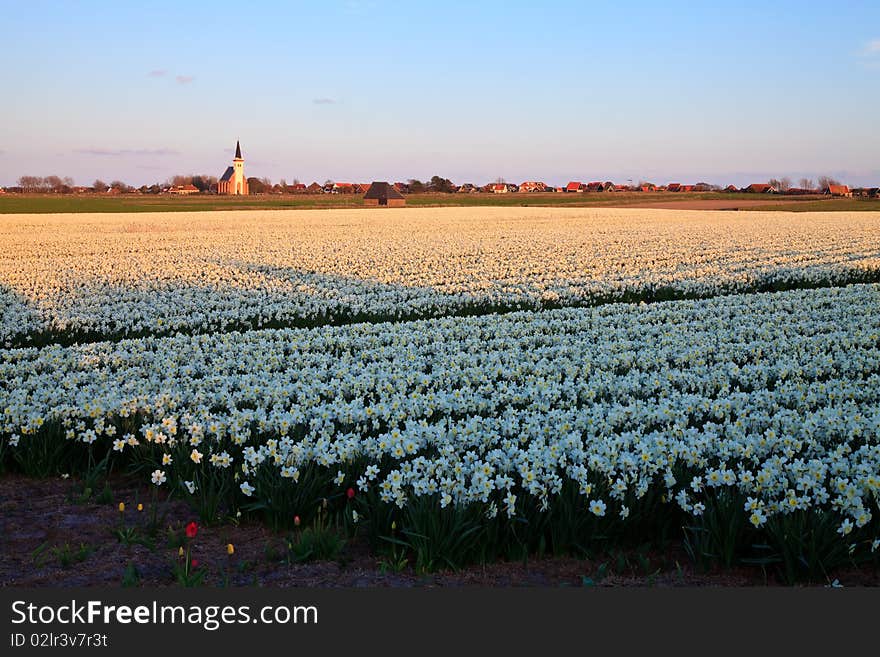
point(140, 507)
point(122, 507)
point(296, 521)
point(230, 549)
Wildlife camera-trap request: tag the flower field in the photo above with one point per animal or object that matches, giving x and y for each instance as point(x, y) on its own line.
point(746, 424)
point(104, 276)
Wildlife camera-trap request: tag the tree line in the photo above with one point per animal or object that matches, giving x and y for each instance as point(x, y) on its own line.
point(784, 184)
point(207, 183)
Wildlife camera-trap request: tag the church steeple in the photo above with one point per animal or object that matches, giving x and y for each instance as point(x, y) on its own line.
point(237, 150)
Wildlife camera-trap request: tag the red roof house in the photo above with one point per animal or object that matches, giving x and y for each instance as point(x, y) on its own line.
point(837, 190)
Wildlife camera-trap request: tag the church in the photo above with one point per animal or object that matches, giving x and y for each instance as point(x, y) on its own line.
point(233, 181)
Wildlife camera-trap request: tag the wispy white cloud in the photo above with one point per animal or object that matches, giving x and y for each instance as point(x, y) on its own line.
point(184, 79)
point(872, 48)
point(324, 101)
point(157, 73)
point(117, 152)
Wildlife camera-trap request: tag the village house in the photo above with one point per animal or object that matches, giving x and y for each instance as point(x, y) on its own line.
point(837, 190)
point(759, 188)
point(576, 186)
point(233, 181)
point(499, 188)
point(533, 186)
point(184, 190)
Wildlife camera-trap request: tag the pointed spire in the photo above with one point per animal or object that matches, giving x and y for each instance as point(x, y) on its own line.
point(237, 150)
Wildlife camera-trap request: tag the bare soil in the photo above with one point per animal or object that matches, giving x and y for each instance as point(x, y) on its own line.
point(43, 520)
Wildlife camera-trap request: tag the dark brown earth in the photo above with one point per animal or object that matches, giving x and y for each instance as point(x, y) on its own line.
point(42, 520)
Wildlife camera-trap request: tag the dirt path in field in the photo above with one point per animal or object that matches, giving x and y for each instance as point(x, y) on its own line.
point(51, 537)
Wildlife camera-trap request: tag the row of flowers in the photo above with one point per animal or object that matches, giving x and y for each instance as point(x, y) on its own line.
point(775, 397)
point(106, 277)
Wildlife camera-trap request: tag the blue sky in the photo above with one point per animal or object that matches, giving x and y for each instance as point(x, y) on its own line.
point(471, 91)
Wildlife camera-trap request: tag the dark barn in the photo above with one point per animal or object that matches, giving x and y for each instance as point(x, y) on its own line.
point(381, 193)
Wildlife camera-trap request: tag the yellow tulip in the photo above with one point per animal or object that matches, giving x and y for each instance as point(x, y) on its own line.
point(230, 549)
point(122, 507)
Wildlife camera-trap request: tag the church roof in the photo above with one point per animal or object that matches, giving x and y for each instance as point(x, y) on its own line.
point(227, 175)
point(382, 190)
point(237, 150)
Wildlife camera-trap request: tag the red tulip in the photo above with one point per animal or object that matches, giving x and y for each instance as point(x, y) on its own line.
point(296, 521)
point(350, 493)
point(194, 563)
point(191, 530)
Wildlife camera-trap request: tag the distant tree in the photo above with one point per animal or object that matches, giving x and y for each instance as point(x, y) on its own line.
point(805, 183)
point(100, 186)
point(257, 186)
point(179, 180)
point(780, 184)
point(31, 183)
point(439, 184)
point(283, 184)
point(54, 184)
point(500, 180)
point(416, 186)
point(119, 186)
point(826, 181)
point(204, 183)
point(155, 188)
